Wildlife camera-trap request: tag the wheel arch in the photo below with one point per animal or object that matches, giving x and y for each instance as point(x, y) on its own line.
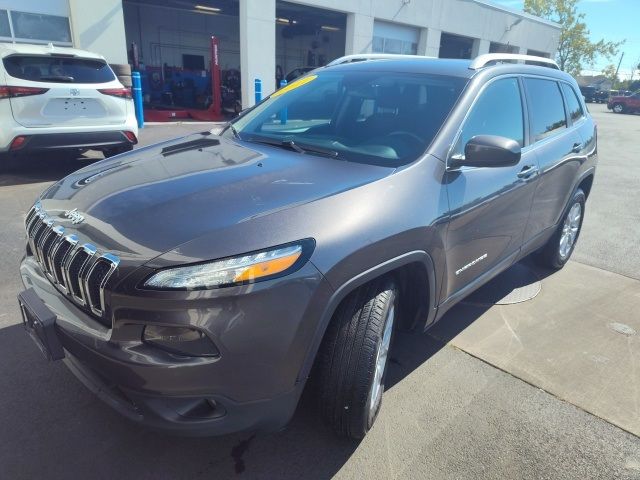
point(414, 272)
point(585, 183)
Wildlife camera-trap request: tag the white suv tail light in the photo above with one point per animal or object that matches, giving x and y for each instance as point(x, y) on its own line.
point(116, 92)
point(13, 92)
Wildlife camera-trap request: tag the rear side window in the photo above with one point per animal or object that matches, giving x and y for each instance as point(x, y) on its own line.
point(546, 106)
point(573, 104)
point(498, 111)
point(50, 68)
point(5, 31)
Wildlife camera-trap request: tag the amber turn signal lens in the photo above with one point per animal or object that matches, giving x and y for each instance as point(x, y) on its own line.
point(270, 267)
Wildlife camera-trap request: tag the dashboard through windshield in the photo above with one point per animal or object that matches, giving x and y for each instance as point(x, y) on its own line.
point(374, 117)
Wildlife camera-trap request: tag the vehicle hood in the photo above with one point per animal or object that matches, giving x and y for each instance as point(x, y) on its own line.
point(154, 199)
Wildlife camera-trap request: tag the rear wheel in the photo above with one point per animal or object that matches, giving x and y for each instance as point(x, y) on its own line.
point(353, 358)
point(556, 253)
point(618, 108)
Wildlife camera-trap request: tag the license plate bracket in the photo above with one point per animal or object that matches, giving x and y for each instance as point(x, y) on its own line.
point(40, 324)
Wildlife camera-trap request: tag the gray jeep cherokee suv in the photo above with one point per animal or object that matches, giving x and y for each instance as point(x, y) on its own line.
point(199, 284)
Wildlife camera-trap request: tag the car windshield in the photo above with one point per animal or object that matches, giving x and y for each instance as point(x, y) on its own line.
point(373, 117)
point(59, 69)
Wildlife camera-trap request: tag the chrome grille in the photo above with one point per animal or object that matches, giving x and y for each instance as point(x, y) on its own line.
point(77, 269)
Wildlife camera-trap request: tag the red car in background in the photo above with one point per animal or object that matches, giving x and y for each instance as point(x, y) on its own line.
point(628, 104)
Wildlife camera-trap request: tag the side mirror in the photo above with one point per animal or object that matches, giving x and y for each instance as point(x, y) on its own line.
point(488, 151)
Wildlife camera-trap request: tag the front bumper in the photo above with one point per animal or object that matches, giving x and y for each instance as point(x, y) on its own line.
point(253, 385)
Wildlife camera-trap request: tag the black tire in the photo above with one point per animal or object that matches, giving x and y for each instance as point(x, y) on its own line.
point(348, 355)
point(112, 152)
point(121, 69)
point(550, 255)
point(619, 108)
point(125, 81)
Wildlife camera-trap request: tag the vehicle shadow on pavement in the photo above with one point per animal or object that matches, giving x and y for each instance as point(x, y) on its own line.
point(411, 350)
point(54, 428)
point(42, 167)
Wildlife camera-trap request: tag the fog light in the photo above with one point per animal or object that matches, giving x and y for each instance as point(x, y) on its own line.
point(18, 142)
point(180, 340)
point(131, 137)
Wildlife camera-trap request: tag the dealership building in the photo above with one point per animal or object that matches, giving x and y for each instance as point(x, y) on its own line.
point(268, 39)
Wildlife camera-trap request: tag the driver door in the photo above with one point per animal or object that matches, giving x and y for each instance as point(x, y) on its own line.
point(489, 206)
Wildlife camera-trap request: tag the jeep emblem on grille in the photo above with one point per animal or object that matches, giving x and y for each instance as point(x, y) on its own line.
point(74, 215)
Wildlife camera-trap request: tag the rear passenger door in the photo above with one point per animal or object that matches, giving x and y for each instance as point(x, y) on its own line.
point(489, 206)
point(559, 148)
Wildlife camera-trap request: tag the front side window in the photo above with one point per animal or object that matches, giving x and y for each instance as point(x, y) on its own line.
point(498, 111)
point(547, 107)
point(49, 68)
point(383, 117)
point(573, 104)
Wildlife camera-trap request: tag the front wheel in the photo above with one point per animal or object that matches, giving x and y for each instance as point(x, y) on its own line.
point(556, 253)
point(618, 108)
point(352, 361)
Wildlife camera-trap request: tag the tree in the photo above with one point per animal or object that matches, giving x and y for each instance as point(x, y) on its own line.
point(610, 72)
point(574, 48)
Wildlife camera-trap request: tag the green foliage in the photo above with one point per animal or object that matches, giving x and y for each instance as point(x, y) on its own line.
point(610, 72)
point(631, 85)
point(575, 49)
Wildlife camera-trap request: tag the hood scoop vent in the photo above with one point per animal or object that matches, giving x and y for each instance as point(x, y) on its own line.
point(192, 145)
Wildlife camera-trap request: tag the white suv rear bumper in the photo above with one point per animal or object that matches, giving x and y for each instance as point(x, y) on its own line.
point(54, 137)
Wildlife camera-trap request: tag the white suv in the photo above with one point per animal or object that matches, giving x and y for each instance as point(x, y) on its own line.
point(55, 98)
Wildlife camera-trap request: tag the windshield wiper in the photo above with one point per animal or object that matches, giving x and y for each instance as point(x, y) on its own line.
point(58, 78)
point(296, 147)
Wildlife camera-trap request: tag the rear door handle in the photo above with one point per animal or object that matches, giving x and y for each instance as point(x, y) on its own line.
point(527, 171)
point(577, 148)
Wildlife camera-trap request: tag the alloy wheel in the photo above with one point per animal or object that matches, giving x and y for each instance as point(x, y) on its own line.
point(570, 230)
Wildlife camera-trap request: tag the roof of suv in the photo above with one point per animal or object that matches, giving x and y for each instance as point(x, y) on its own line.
point(443, 66)
point(30, 49)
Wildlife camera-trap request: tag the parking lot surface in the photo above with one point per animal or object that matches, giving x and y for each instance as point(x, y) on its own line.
point(548, 388)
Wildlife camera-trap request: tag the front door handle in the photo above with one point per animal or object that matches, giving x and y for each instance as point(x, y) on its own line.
point(527, 171)
point(577, 148)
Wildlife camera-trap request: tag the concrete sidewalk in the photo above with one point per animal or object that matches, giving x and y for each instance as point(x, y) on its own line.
point(579, 339)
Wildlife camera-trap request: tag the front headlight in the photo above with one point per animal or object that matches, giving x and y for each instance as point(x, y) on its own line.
point(239, 270)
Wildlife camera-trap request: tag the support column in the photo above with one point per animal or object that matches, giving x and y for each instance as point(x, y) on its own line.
point(429, 42)
point(257, 47)
point(359, 34)
point(480, 47)
point(99, 28)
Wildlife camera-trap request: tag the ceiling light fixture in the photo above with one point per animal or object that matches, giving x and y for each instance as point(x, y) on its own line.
point(206, 8)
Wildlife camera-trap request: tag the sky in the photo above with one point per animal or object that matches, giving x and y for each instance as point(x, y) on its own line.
point(611, 20)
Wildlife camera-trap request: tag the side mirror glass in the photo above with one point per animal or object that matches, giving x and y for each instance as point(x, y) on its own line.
point(488, 151)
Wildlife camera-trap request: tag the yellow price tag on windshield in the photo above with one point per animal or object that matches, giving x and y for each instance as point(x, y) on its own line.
point(294, 85)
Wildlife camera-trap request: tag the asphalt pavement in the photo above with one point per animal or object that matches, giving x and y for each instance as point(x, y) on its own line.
point(465, 401)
